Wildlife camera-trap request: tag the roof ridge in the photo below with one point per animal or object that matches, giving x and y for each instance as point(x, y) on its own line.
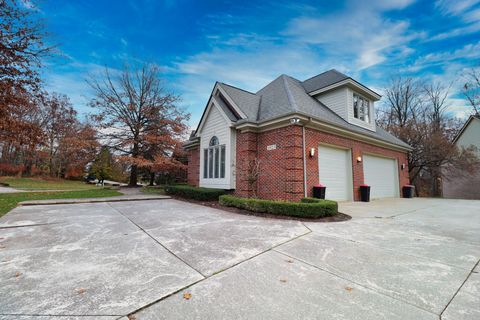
point(291, 100)
point(234, 87)
point(334, 70)
point(259, 107)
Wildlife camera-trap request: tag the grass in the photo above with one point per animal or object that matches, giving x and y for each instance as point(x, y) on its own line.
point(153, 190)
point(45, 184)
point(8, 201)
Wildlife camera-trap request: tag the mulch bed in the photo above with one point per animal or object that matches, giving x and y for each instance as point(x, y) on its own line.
point(214, 204)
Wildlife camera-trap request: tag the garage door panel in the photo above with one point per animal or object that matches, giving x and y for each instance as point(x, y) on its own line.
point(382, 175)
point(335, 171)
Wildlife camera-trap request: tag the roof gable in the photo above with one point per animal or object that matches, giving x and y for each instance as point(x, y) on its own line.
point(471, 119)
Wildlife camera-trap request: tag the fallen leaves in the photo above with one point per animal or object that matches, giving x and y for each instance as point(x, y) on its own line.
point(289, 261)
point(349, 289)
point(131, 317)
point(18, 274)
point(81, 290)
point(187, 296)
point(283, 280)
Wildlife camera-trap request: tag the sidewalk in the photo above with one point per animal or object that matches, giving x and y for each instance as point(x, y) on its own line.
point(129, 194)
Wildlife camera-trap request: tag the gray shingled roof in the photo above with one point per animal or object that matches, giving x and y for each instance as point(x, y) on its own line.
point(323, 80)
point(286, 95)
point(248, 102)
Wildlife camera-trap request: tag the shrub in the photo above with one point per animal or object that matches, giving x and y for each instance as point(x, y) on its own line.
point(202, 194)
point(314, 209)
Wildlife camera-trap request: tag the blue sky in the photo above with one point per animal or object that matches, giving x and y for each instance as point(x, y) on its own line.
point(249, 43)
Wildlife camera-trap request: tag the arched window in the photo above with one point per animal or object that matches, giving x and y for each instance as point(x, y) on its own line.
point(213, 141)
point(214, 160)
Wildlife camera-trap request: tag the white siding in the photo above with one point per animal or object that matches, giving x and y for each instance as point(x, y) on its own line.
point(358, 122)
point(217, 125)
point(336, 100)
point(340, 101)
point(470, 136)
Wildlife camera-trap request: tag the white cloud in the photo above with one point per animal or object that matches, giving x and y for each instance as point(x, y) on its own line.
point(355, 39)
point(461, 31)
point(71, 79)
point(467, 52)
point(455, 7)
point(250, 69)
point(359, 32)
point(465, 11)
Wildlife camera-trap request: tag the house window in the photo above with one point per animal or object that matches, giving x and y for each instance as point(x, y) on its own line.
point(214, 160)
point(361, 108)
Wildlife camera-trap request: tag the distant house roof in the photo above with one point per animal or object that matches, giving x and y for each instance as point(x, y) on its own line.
point(465, 125)
point(286, 95)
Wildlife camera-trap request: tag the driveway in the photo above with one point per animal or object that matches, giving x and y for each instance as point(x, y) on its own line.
point(168, 259)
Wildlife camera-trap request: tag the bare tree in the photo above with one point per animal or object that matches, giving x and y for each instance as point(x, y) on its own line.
point(253, 172)
point(436, 96)
point(416, 114)
point(404, 101)
point(138, 117)
point(471, 89)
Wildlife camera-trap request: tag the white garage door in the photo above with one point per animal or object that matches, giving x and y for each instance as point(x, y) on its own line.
point(335, 170)
point(381, 174)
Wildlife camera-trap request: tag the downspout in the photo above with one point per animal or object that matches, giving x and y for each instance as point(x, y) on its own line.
point(304, 163)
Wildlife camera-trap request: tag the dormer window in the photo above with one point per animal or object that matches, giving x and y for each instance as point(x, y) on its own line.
point(361, 108)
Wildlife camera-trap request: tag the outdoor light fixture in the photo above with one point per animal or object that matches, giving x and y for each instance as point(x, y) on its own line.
point(403, 166)
point(295, 121)
point(312, 152)
point(359, 159)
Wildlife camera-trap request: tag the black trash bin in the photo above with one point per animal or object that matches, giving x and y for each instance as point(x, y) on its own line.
point(319, 191)
point(408, 191)
point(365, 193)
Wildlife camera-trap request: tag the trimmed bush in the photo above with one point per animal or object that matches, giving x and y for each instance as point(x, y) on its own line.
point(202, 194)
point(314, 209)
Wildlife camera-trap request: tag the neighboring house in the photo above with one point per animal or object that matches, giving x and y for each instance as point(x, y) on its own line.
point(299, 134)
point(458, 184)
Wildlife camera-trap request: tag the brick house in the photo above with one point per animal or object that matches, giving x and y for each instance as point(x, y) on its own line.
point(279, 142)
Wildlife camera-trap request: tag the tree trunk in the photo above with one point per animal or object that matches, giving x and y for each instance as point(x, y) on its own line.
point(133, 176)
point(152, 178)
point(134, 167)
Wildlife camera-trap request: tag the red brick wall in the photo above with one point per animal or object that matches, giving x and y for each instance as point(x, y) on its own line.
point(281, 170)
point(193, 168)
point(246, 151)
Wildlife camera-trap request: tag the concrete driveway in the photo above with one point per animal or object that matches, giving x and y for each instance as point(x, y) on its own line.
point(168, 259)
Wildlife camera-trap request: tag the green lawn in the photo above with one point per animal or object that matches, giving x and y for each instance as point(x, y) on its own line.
point(8, 201)
point(45, 184)
point(154, 190)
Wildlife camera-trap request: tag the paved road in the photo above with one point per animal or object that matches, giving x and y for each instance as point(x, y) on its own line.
point(167, 259)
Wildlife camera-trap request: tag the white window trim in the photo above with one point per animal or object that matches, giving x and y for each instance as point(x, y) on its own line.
point(210, 168)
point(369, 108)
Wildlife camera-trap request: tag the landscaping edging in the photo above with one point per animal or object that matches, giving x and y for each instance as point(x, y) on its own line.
point(88, 200)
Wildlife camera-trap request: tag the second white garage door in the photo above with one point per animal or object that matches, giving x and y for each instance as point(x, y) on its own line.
point(335, 170)
point(381, 174)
